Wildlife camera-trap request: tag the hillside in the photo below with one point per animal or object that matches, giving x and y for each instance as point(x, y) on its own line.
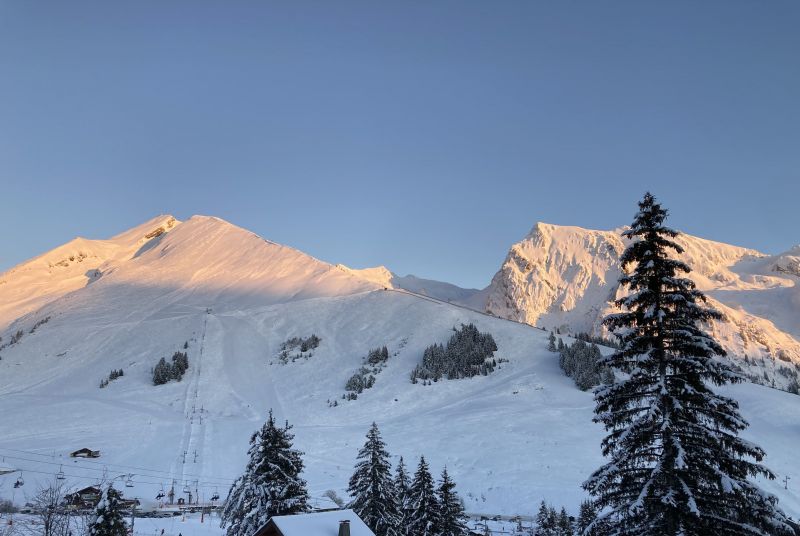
point(510, 439)
point(565, 278)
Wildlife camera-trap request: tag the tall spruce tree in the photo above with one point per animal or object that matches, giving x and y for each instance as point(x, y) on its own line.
point(402, 488)
point(425, 507)
point(373, 489)
point(677, 465)
point(108, 519)
point(452, 520)
point(271, 484)
point(586, 518)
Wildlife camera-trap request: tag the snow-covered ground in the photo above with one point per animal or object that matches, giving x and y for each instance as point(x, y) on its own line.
point(520, 435)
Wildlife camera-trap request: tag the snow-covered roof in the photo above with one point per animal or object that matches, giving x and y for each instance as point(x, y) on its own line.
point(320, 524)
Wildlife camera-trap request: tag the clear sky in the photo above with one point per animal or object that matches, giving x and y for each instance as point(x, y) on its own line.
point(424, 135)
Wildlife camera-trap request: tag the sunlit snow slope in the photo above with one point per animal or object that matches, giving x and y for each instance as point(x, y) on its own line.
point(565, 278)
point(520, 435)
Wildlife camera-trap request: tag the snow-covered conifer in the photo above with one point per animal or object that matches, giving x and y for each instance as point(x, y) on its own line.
point(373, 489)
point(677, 465)
point(271, 484)
point(546, 521)
point(564, 527)
point(108, 519)
point(452, 519)
point(551, 343)
point(402, 488)
point(425, 507)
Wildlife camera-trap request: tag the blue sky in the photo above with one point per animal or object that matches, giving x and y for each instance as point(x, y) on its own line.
point(426, 136)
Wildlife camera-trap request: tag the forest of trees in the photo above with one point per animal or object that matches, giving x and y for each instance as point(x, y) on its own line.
point(581, 362)
point(294, 348)
point(165, 372)
point(113, 375)
point(399, 505)
point(468, 353)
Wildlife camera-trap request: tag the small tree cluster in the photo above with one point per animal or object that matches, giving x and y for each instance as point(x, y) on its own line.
point(358, 382)
point(165, 372)
point(15, 338)
point(597, 339)
point(550, 522)
point(580, 361)
point(397, 506)
point(364, 378)
point(40, 322)
point(378, 356)
point(468, 353)
point(113, 375)
point(301, 345)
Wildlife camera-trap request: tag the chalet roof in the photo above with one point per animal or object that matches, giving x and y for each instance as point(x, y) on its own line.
point(320, 524)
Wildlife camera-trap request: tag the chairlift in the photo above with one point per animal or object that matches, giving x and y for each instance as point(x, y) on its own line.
point(186, 488)
point(215, 497)
point(60, 474)
point(20, 482)
point(129, 482)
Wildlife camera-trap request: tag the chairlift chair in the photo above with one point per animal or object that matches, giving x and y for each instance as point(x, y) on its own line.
point(186, 488)
point(129, 482)
point(60, 474)
point(20, 481)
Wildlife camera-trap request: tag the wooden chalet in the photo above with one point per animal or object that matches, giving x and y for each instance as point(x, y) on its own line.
point(85, 453)
point(82, 499)
point(333, 523)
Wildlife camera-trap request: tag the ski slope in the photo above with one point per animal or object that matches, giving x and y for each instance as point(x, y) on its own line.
point(510, 439)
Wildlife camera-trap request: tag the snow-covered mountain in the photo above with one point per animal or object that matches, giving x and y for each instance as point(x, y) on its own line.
point(510, 439)
point(565, 278)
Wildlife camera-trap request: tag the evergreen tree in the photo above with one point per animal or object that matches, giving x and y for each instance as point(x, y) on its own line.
point(402, 488)
point(425, 508)
point(585, 519)
point(372, 487)
point(108, 519)
point(677, 465)
point(551, 343)
point(452, 520)
point(564, 524)
point(271, 484)
point(162, 373)
point(546, 521)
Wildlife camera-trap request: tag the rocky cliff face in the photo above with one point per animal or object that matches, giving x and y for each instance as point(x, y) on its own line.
point(565, 278)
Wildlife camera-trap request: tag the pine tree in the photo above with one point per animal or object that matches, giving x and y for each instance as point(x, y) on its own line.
point(546, 521)
point(372, 487)
point(564, 524)
point(402, 488)
point(585, 519)
point(677, 465)
point(451, 512)
point(551, 343)
point(162, 373)
point(271, 484)
point(425, 508)
point(108, 519)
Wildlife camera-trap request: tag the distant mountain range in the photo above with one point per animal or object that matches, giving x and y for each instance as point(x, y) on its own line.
point(233, 301)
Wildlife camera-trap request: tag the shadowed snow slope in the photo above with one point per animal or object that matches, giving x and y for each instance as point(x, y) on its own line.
point(522, 434)
point(565, 278)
